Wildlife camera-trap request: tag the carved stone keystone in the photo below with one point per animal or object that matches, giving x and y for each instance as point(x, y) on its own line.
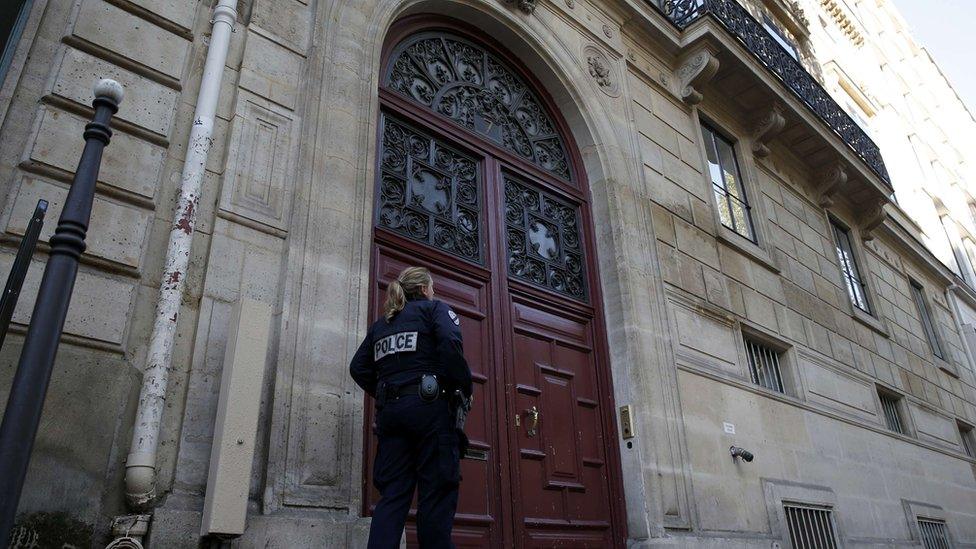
point(769, 126)
point(695, 71)
point(831, 182)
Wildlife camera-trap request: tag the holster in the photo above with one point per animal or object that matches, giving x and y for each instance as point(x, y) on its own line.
point(461, 406)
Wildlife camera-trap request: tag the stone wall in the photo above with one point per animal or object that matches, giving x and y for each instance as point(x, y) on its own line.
point(152, 48)
point(789, 289)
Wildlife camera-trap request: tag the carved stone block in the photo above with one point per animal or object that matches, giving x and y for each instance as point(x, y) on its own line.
point(872, 217)
point(832, 180)
point(695, 70)
point(256, 184)
point(601, 69)
point(769, 125)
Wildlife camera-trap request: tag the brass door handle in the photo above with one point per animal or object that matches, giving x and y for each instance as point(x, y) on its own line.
point(533, 414)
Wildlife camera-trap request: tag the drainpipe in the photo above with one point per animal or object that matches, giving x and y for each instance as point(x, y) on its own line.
point(140, 467)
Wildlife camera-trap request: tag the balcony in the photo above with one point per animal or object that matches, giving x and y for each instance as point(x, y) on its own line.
point(750, 34)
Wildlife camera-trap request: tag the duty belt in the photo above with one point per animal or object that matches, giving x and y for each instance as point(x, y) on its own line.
point(427, 389)
point(394, 392)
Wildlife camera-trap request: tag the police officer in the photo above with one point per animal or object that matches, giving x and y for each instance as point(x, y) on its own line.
point(411, 361)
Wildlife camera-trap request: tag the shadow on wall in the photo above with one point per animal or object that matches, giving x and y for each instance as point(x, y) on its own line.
point(50, 531)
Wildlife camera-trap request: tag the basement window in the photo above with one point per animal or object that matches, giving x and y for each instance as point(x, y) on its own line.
point(968, 435)
point(810, 527)
point(891, 406)
point(764, 365)
point(934, 533)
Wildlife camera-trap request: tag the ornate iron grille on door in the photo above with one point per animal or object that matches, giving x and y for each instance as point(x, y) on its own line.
point(462, 81)
point(429, 191)
point(543, 240)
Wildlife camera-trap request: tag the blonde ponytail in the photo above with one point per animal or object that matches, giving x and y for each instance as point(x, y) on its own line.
point(411, 283)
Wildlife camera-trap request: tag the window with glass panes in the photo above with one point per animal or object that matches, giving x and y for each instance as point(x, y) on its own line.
point(927, 325)
point(727, 184)
point(780, 37)
point(968, 435)
point(856, 288)
point(13, 17)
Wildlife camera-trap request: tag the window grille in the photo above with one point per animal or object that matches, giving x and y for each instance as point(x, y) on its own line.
point(968, 435)
point(934, 534)
point(889, 404)
point(810, 527)
point(927, 325)
point(764, 366)
point(730, 194)
point(856, 289)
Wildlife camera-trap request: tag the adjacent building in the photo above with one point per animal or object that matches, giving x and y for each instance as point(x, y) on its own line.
point(714, 263)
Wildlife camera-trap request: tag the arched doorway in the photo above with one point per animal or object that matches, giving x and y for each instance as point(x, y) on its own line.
point(478, 179)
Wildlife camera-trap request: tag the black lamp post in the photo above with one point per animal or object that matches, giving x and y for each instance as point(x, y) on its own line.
point(23, 413)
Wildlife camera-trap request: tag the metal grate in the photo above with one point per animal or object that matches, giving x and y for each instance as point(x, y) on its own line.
point(935, 535)
point(764, 366)
point(810, 527)
point(889, 404)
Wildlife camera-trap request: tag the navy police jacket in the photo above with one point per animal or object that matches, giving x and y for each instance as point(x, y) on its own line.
point(423, 338)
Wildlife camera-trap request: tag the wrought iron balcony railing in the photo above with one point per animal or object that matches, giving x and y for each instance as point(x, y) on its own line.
point(750, 33)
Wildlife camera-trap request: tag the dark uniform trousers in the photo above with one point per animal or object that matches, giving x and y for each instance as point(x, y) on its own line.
point(418, 448)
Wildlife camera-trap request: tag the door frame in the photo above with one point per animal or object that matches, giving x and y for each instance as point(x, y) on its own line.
point(494, 267)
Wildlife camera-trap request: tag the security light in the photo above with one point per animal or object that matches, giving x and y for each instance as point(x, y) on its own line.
point(740, 453)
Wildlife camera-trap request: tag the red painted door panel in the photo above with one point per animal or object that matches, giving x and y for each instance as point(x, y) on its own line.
point(561, 466)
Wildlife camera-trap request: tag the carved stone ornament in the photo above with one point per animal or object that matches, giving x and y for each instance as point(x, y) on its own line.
point(769, 126)
point(832, 180)
point(796, 10)
point(695, 71)
point(872, 217)
point(526, 6)
point(601, 70)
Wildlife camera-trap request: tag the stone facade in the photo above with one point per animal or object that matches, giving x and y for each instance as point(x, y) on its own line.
point(285, 220)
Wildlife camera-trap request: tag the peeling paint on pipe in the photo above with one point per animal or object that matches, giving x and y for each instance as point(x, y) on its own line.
point(140, 473)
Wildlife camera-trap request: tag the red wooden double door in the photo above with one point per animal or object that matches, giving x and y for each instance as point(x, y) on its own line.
point(478, 180)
